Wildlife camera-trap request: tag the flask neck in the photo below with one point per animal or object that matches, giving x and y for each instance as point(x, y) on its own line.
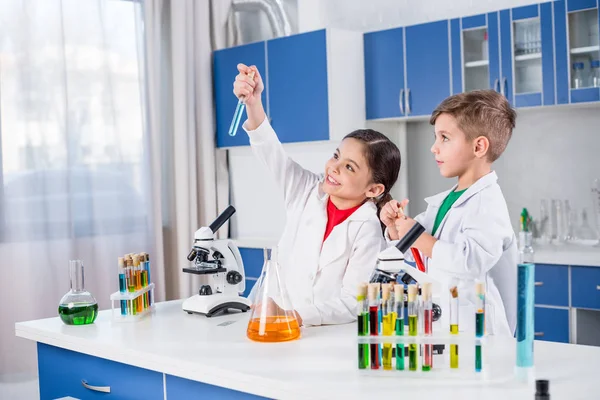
point(76, 276)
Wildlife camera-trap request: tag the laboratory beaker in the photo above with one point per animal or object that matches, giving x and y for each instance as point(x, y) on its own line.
point(272, 318)
point(78, 306)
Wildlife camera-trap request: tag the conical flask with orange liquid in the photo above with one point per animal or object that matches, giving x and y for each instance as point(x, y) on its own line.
point(272, 318)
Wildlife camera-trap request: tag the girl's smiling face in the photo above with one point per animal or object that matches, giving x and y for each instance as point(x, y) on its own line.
point(348, 179)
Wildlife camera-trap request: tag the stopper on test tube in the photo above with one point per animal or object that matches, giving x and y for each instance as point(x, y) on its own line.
point(426, 291)
point(362, 291)
point(373, 291)
point(412, 292)
point(399, 293)
point(386, 289)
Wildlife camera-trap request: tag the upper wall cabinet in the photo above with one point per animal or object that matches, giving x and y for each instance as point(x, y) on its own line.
point(314, 86)
point(536, 55)
point(407, 70)
point(576, 31)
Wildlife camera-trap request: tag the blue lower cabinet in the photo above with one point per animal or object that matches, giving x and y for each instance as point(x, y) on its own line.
point(585, 287)
point(551, 324)
point(61, 373)
point(184, 389)
point(552, 285)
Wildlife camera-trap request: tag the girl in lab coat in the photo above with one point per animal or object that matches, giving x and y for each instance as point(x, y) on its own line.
point(332, 234)
point(469, 236)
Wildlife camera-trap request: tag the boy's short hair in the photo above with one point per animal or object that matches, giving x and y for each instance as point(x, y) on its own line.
point(481, 113)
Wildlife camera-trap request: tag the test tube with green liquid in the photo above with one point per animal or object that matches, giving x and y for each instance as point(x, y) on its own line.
point(413, 310)
point(362, 316)
point(399, 307)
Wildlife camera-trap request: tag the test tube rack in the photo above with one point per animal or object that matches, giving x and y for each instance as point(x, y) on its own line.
point(491, 347)
point(132, 300)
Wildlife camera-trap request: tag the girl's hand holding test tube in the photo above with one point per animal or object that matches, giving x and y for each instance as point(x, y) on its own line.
point(250, 89)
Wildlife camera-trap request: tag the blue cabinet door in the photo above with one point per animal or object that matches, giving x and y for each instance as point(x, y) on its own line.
point(585, 287)
point(225, 70)
point(384, 73)
point(570, 52)
point(552, 285)
point(61, 373)
point(298, 92)
point(506, 55)
point(427, 67)
point(537, 66)
point(551, 324)
point(185, 389)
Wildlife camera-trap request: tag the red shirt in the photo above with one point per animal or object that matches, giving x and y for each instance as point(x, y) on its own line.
point(336, 217)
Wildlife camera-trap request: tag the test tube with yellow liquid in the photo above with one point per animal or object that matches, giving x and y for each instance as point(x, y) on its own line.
point(389, 321)
point(454, 324)
point(413, 311)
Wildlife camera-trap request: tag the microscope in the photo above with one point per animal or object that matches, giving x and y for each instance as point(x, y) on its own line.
point(391, 268)
point(219, 264)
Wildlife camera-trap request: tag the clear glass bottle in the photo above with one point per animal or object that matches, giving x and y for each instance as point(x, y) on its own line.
point(78, 306)
point(484, 47)
point(578, 82)
point(595, 73)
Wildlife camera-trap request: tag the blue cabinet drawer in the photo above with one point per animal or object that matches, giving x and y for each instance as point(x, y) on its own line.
point(552, 285)
point(585, 287)
point(551, 324)
point(61, 373)
point(184, 389)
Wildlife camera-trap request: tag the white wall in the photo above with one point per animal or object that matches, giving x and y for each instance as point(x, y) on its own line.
point(553, 153)
point(369, 15)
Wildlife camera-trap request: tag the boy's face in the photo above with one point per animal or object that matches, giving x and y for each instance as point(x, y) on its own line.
point(453, 152)
point(347, 173)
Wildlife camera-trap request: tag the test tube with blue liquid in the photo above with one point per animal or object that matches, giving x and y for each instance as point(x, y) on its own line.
point(239, 110)
point(122, 284)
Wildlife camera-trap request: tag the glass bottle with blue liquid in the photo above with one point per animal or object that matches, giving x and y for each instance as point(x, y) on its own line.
point(525, 301)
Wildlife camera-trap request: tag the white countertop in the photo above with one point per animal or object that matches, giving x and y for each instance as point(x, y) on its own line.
point(567, 254)
point(321, 365)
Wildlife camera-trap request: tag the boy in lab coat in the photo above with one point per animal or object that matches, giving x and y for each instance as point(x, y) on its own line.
point(468, 234)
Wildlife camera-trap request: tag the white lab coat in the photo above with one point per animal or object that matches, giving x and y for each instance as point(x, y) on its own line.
point(476, 242)
point(321, 278)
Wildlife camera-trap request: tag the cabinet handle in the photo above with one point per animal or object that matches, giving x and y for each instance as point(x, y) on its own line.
point(504, 87)
point(539, 284)
point(407, 101)
point(539, 334)
point(497, 85)
point(401, 101)
point(103, 389)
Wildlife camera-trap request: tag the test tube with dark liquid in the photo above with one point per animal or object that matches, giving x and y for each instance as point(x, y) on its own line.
point(374, 323)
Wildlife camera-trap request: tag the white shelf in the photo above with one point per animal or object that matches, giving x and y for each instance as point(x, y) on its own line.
point(585, 50)
point(525, 57)
point(475, 64)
